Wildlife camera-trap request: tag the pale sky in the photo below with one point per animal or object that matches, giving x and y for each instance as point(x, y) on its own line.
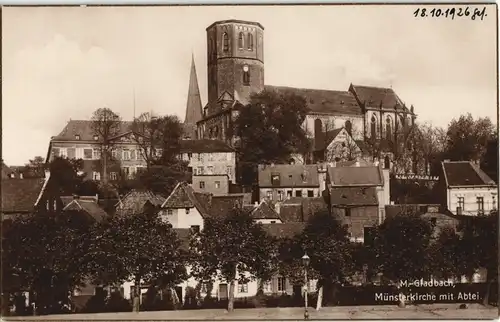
point(60, 63)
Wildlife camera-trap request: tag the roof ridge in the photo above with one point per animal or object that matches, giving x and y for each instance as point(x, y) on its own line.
point(310, 89)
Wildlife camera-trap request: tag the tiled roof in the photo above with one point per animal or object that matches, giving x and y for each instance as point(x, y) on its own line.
point(377, 96)
point(90, 207)
point(291, 213)
point(183, 196)
point(262, 211)
point(284, 230)
point(204, 146)
point(291, 175)
point(324, 101)
point(353, 196)
point(135, 200)
point(465, 173)
point(310, 206)
point(20, 195)
point(355, 176)
point(221, 206)
point(83, 128)
point(301, 209)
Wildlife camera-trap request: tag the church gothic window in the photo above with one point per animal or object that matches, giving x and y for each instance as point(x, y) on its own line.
point(250, 42)
point(373, 127)
point(240, 41)
point(348, 127)
point(388, 129)
point(225, 42)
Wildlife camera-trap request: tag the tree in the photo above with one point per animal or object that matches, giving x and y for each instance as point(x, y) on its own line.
point(490, 160)
point(65, 175)
point(432, 145)
point(105, 125)
point(35, 168)
point(118, 253)
point(45, 254)
point(479, 248)
point(269, 130)
point(402, 247)
point(326, 241)
point(445, 254)
point(159, 142)
point(467, 138)
point(233, 248)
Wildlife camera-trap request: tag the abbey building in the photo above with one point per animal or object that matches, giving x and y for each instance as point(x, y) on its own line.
point(235, 52)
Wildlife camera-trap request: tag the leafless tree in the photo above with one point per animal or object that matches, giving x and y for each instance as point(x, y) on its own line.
point(158, 138)
point(105, 125)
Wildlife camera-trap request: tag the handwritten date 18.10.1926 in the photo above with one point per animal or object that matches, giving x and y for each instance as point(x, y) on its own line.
point(451, 13)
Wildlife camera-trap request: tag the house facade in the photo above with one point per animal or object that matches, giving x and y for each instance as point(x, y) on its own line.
point(358, 196)
point(466, 190)
point(278, 182)
point(217, 185)
point(78, 141)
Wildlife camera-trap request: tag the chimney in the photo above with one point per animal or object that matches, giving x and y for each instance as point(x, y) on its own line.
point(21, 176)
point(446, 160)
point(357, 162)
point(75, 196)
point(256, 204)
point(47, 173)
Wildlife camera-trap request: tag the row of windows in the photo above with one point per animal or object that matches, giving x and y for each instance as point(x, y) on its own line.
point(243, 42)
point(210, 170)
point(289, 194)
point(209, 156)
point(479, 203)
point(216, 184)
point(126, 172)
point(95, 154)
point(242, 288)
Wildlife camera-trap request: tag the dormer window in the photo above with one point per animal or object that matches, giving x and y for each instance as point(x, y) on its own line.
point(303, 176)
point(275, 179)
point(77, 137)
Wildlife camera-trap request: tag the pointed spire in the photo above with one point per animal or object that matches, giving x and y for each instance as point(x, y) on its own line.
point(193, 106)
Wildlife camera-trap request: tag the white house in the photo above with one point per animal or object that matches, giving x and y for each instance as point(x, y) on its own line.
point(466, 189)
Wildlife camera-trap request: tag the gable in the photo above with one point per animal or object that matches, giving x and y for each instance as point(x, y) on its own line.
point(183, 196)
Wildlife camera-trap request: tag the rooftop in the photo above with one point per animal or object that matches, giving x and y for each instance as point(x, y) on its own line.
point(324, 101)
point(20, 195)
point(288, 175)
point(465, 173)
point(356, 176)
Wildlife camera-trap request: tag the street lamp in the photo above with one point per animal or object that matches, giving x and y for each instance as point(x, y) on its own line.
point(305, 262)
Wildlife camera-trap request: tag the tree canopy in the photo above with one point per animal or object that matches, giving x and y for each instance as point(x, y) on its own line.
point(227, 247)
point(270, 130)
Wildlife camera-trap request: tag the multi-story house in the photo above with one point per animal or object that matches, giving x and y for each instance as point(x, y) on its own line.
point(216, 184)
point(278, 182)
point(466, 190)
point(78, 141)
point(358, 196)
point(210, 157)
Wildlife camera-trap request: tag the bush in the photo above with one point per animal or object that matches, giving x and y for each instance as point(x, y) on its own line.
point(117, 303)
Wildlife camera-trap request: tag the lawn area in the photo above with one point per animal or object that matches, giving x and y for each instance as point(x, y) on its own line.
point(431, 311)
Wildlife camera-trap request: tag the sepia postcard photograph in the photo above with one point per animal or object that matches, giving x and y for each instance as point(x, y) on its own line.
point(250, 162)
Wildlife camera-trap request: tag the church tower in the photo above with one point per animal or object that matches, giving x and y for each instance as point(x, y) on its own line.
point(193, 105)
point(235, 52)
